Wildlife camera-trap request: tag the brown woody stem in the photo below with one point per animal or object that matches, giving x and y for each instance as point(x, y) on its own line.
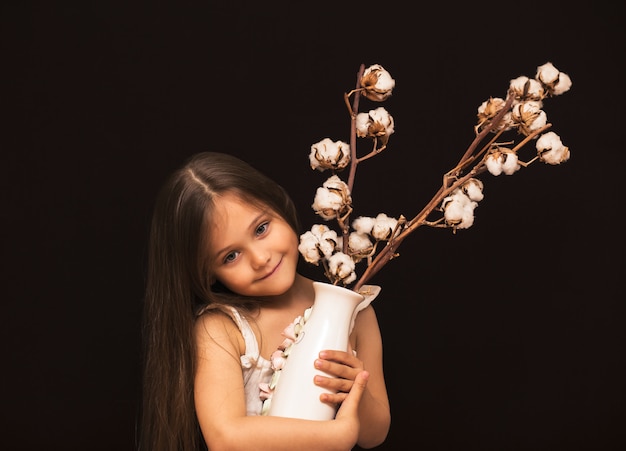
point(451, 181)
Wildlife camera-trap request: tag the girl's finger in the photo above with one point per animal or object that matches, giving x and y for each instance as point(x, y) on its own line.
point(350, 405)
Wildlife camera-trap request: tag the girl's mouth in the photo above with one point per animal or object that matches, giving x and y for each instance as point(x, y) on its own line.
point(272, 271)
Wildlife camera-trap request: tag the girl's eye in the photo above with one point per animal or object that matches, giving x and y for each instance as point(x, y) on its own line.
point(262, 228)
point(231, 257)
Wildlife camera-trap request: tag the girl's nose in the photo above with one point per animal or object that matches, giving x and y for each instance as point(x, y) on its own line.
point(260, 257)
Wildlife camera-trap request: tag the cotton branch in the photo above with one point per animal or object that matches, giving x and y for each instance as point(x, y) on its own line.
point(460, 190)
point(451, 181)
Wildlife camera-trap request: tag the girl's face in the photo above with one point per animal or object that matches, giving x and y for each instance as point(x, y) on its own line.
point(254, 252)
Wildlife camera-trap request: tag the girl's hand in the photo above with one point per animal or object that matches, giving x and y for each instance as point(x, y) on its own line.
point(342, 368)
point(348, 412)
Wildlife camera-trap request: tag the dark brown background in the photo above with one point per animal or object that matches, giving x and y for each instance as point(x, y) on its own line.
point(506, 336)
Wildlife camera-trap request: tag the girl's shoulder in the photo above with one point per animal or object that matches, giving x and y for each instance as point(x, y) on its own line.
point(218, 326)
point(366, 322)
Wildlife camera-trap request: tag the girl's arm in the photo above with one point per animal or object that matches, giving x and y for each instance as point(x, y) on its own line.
point(374, 412)
point(221, 406)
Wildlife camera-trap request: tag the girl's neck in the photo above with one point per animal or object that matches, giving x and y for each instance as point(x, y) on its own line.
point(277, 312)
point(299, 296)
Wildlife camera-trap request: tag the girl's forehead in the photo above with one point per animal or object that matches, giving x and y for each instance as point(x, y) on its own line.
point(233, 214)
point(232, 202)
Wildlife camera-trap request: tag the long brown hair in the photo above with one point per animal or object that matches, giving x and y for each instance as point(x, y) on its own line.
point(177, 287)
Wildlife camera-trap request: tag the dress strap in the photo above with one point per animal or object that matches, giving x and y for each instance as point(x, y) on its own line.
point(252, 347)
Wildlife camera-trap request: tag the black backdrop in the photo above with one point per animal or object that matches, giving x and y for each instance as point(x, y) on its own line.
point(506, 336)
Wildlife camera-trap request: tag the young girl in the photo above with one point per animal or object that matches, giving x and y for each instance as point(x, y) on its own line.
point(221, 287)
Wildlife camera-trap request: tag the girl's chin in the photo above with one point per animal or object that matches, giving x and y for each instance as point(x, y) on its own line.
point(278, 284)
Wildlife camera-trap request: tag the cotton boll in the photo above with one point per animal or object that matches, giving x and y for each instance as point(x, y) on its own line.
point(556, 156)
point(326, 203)
point(453, 207)
point(473, 189)
point(341, 267)
point(563, 85)
point(556, 82)
point(319, 230)
point(547, 73)
point(551, 150)
point(362, 124)
point(360, 246)
point(328, 154)
point(529, 116)
point(453, 213)
point(363, 224)
point(540, 121)
point(548, 141)
point(490, 108)
point(377, 83)
point(377, 124)
point(332, 199)
point(467, 218)
point(308, 248)
point(382, 117)
point(383, 227)
point(510, 164)
point(527, 88)
point(328, 244)
point(494, 163)
point(359, 242)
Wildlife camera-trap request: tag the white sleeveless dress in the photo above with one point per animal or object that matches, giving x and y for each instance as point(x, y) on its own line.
point(256, 369)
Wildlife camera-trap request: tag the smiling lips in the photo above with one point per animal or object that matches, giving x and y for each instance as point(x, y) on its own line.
point(272, 271)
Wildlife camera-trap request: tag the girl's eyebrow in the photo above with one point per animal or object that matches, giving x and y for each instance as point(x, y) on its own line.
point(251, 226)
